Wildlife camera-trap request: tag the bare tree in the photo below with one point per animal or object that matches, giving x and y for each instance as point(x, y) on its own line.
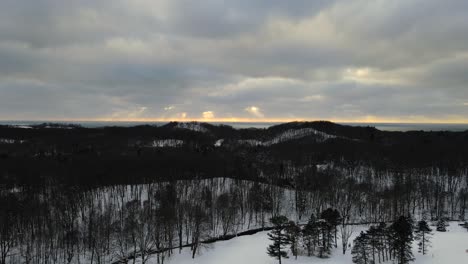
point(346, 232)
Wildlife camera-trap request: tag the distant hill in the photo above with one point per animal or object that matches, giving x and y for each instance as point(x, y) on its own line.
point(123, 154)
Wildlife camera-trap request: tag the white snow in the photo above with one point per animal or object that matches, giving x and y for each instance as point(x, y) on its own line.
point(288, 135)
point(219, 142)
point(162, 143)
point(322, 167)
point(292, 134)
point(194, 126)
point(251, 142)
point(449, 247)
point(10, 141)
point(59, 127)
point(23, 126)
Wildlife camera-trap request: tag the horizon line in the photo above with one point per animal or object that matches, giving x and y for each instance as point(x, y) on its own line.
point(239, 121)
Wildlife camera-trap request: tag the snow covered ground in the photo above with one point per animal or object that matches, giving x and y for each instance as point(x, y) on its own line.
point(194, 126)
point(10, 141)
point(162, 143)
point(448, 248)
point(288, 135)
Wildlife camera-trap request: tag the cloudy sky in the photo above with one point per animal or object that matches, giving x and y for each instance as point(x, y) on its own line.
point(269, 60)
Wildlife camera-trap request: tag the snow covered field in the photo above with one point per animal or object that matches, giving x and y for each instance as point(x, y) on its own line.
point(448, 248)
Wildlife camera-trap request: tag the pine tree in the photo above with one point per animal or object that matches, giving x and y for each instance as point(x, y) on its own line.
point(382, 233)
point(360, 250)
point(374, 242)
point(325, 238)
point(279, 237)
point(294, 234)
point(310, 235)
point(401, 233)
point(441, 225)
point(423, 235)
point(333, 218)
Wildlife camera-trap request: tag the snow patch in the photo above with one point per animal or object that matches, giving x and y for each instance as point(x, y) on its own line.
point(165, 143)
point(194, 126)
point(22, 126)
point(59, 127)
point(251, 142)
point(292, 134)
point(288, 135)
point(322, 167)
point(219, 142)
point(11, 141)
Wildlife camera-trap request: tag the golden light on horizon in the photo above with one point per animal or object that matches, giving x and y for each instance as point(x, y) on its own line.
point(183, 118)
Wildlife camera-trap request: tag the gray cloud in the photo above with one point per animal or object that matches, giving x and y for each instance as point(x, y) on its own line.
point(340, 60)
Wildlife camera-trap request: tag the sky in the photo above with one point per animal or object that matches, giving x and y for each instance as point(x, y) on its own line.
point(243, 60)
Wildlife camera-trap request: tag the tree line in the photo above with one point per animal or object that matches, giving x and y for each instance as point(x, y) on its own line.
point(381, 243)
point(61, 223)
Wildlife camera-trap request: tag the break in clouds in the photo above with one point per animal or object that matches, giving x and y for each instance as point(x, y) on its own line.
point(402, 60)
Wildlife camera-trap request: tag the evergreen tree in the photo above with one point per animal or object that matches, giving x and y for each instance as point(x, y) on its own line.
point(383, 247)
point(279, 237)
point(401, 233)
point(324, 239)
point(441, 225)
point(423, 235)
point(294, 234)
point(374, 242)
point(360, 250)
point(310, 235)
point(333, 218)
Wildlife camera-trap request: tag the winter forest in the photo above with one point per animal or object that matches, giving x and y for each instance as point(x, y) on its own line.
point(146, 194)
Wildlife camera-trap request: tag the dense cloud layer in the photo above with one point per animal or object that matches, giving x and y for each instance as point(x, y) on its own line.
point(269, 59)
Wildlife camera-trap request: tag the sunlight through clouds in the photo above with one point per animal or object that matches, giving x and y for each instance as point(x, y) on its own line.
point(255, 111)
point(300, 59)
point(208, 115)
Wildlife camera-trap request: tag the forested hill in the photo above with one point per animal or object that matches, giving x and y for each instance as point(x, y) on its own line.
point(111, 155)
point(114, 194)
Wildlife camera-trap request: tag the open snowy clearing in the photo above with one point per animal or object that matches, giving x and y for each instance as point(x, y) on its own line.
point(449, 247)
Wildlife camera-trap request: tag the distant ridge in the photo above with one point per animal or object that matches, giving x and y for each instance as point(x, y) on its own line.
point(254, 125)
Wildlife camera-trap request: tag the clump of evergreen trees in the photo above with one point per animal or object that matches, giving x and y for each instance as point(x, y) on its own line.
point(316, 238)
point(373, 245)
point(382, 243)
